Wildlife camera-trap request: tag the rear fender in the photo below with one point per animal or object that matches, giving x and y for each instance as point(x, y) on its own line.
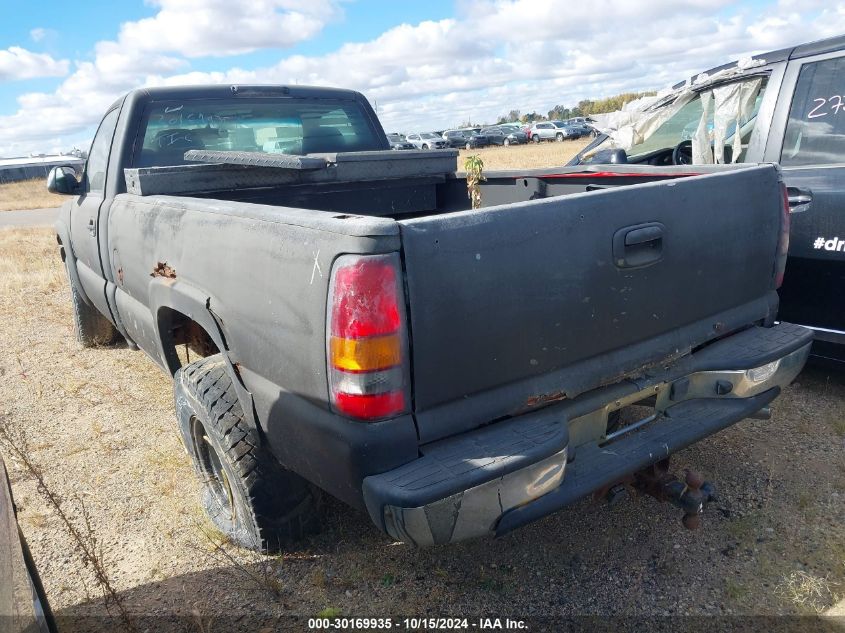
point(167, 295)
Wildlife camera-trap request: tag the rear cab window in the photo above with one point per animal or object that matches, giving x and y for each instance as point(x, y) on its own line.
point(292, 126)
point(815, 130)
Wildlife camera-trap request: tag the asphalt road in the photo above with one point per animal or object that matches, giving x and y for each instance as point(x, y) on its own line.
point(31, 217)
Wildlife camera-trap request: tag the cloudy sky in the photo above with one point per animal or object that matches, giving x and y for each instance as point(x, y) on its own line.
point(426, 64)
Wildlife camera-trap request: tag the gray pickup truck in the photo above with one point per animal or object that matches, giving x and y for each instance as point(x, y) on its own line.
point(338, 318)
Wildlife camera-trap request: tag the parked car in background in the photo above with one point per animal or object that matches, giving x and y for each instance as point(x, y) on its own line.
point(399, 143)
point(501, 135)
point(582, 127)
point(553, 131)
point(426, 140)
point(23, 604)
point(468, 139)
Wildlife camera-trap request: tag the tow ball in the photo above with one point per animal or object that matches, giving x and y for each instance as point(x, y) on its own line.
point(691, 495)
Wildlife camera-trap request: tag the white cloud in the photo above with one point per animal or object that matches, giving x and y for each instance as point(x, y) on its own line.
point(493, 56)
point(19, 63)
point(201, 28)
point(154, 47)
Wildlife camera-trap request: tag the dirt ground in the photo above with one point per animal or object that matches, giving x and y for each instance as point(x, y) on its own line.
point(101, 424)
point(546, 154)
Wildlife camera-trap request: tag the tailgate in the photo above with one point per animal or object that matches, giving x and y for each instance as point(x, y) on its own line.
point(517, 305)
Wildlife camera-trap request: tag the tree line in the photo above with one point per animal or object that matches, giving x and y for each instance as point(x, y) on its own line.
point(585, 108)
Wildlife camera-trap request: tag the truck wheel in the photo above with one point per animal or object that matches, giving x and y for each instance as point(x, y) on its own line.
point(92, 329)
point(245, 491)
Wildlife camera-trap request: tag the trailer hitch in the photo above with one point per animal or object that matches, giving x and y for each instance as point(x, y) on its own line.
point(691, 495)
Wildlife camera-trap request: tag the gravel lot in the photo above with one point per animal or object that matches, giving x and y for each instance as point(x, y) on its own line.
point(101, 424)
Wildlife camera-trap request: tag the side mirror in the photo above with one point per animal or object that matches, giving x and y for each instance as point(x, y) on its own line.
point(62, 180)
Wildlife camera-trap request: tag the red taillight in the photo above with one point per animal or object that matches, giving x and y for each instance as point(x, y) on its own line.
point(370, 407)
point(366, 338)
point(366, 301)
point(783, 241)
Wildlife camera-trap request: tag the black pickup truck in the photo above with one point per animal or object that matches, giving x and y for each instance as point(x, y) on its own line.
point(789, 108)
point(356, 327)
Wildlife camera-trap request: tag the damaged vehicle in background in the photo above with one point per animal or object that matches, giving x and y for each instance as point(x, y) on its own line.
point(782, 107)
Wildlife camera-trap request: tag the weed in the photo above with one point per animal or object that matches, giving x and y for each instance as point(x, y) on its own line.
point(318, 578)
point(36, 519)
point(474, 167)
point(330, 612)
point(805, 500)
point(387, 580)
point(78, 527)
point(252, 566)
point(837, 423)
point(734, 590)
point(810, 593)
point(744, 529)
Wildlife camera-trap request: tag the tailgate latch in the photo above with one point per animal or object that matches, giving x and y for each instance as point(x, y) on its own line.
point(638, 245)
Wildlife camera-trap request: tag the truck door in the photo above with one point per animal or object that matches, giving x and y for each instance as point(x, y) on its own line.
point(808, 139)
point(85, 213)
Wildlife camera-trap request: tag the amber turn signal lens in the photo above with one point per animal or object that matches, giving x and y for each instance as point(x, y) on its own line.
point(366, 354)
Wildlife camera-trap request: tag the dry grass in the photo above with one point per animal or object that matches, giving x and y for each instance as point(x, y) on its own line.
point(527, 156)
point(808, 592)
point(28, 194)
point(29, 260)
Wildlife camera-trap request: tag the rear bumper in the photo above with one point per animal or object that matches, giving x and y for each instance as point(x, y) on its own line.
point(500, 477)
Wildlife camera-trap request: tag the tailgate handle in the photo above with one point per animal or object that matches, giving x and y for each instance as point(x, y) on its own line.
point(638, 245)
point(646, 234)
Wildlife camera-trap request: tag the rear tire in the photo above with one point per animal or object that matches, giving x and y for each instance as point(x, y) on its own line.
point(246, 493)
point(506, 142)
point(425, 146)
point(92, 329)
point(469, 145)
point(535, 138)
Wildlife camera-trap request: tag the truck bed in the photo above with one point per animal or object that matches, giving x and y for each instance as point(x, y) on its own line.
point(523, 303)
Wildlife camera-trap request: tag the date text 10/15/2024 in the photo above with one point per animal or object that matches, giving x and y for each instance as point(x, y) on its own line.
point(416, 624)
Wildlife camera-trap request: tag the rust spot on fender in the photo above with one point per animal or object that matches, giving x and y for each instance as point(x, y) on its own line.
point(163, 270)
point(545, 398)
